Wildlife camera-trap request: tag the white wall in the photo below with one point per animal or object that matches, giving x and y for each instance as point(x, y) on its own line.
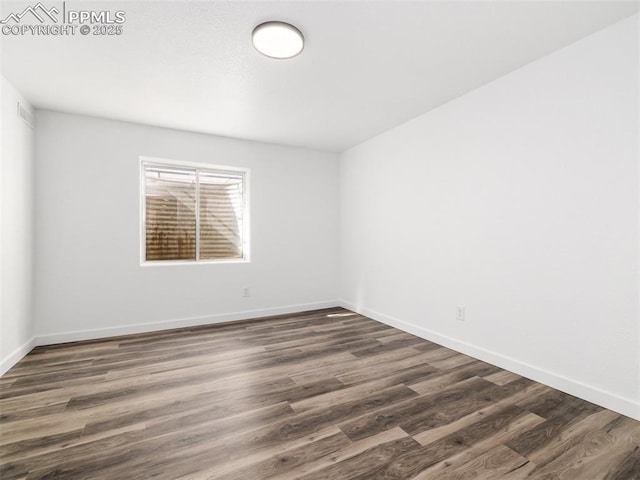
point(16, 230)
point(89, 279)
point(520, 201)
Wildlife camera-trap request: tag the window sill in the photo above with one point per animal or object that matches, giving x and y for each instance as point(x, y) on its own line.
point(170, 263)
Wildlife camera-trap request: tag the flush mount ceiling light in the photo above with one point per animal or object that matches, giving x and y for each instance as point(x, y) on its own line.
point(277, 40)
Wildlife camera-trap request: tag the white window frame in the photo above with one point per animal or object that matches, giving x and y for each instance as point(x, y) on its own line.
point(203, 166)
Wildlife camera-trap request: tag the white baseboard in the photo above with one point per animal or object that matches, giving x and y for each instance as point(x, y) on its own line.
point(17, 355)
point(625, 406)
point(75, 336)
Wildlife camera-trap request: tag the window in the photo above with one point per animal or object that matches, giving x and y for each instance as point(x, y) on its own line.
point(193, 213)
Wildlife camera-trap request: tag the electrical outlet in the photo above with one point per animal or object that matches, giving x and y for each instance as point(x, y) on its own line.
point(460, 312)
point(246, 292)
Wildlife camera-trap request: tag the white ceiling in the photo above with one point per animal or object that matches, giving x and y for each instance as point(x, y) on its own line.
point(367, 65)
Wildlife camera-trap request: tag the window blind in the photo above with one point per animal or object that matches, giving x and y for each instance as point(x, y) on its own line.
point(192, 213)
point(221, 208)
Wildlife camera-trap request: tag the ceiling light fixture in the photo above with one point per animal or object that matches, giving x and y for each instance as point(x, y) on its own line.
point(277, 40)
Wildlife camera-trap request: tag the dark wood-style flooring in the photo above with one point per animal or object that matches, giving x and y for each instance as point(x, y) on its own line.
point(319, 395)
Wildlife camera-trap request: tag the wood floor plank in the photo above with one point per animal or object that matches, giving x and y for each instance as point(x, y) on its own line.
point(501, 436)
point(626, 466)
point(359, 370)
point(327, 394)
point(497, 462)
point(585, 459)
point(433, 434)
point(448, 377)
point(282, 458)
point(412, 462)
point(353, 450)
point(413, 411)
point(365, 464)
point(571, 436)
point(452, 362)
point(502, 378)
point(545, 435)
point(362, 390)
point(50, 461)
